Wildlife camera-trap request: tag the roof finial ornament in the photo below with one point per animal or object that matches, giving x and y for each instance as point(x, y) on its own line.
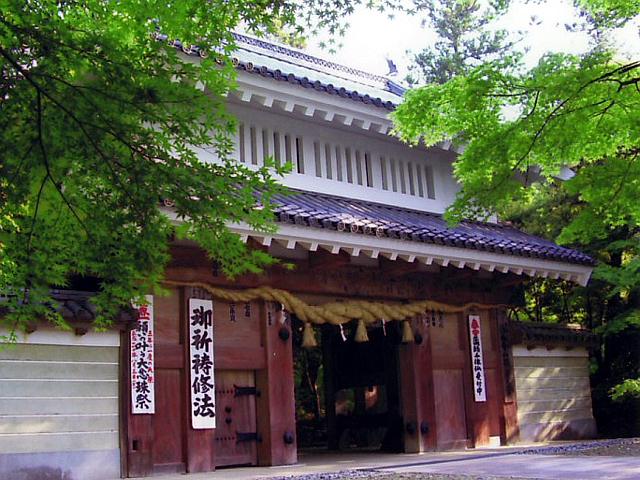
point(393, 70)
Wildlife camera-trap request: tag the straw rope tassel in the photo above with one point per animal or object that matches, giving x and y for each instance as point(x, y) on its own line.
point(308, 337)
point(407, 334)
point(361, 332)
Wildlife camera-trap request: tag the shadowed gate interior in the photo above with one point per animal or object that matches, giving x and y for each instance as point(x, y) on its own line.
point(347, 393)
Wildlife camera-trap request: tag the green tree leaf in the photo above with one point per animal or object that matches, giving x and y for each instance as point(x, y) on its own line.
point(101, 116)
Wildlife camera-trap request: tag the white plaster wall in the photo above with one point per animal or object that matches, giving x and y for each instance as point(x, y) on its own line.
point(399, 175)
point(59, 406)
point(553, 394)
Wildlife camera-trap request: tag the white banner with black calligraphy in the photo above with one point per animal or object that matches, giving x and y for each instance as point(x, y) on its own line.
point(203, 408)
point(477, 359)
point(142, 361)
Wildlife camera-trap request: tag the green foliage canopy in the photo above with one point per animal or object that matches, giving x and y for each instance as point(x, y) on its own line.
point(464, 38)
point(568, 127)
point(101, 122)
point(567, 111)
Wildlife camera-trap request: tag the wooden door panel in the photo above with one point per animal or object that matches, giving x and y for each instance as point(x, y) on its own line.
point(450, 408)
point(236, 426)
point(494, 397)
point(168, 438)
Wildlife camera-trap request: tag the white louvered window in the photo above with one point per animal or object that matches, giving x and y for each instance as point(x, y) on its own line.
point(254, 144)
point(345, 160)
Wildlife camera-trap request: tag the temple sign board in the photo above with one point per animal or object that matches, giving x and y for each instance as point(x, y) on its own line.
point(477, 360)
point(142, 361)
point(202, 385)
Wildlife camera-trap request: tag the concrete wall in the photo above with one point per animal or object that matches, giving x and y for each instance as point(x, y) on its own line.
point(554, 394)
point(59, 406)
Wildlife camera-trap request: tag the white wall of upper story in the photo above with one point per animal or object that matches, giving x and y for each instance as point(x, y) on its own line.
point(336, 146)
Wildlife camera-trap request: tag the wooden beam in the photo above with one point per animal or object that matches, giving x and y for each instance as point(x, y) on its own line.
point(397, 268)
point(324, 260)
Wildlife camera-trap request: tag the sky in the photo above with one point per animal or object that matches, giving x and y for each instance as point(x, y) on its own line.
point(372, 37)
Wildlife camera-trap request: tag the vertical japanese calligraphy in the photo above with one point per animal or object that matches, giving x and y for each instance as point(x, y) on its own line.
point(142, 361)
point(203, 409)
point(477, 360)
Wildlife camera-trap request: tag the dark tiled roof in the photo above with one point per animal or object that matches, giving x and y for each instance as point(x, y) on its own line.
point(364, 218)
point(76, 307)
point(320, 66)
point(298, 68)
point(317, 85)
point(551, 334)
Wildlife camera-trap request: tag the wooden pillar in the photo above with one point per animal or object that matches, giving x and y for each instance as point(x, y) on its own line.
point(477, 412)
point(136, 438)
point(473, 411)
point(276, 404)
point(328, 360)
point(394, 438)
point(200, 443)
point(509, 427)
point(416, 384)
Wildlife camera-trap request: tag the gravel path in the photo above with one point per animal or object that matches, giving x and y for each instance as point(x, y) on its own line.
point(612, 448)
point(372, 475)
point(623, 447)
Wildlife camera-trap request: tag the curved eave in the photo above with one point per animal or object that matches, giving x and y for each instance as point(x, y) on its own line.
point(312, 103)
point(323, 99)
point(311, 99)
point(295, 236)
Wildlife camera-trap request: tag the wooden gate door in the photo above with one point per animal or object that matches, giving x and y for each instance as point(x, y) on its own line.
point(168, 435)
point(451, 416)
point(236, 425)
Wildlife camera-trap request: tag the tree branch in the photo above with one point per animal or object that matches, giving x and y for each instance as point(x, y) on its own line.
point(81, 125)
